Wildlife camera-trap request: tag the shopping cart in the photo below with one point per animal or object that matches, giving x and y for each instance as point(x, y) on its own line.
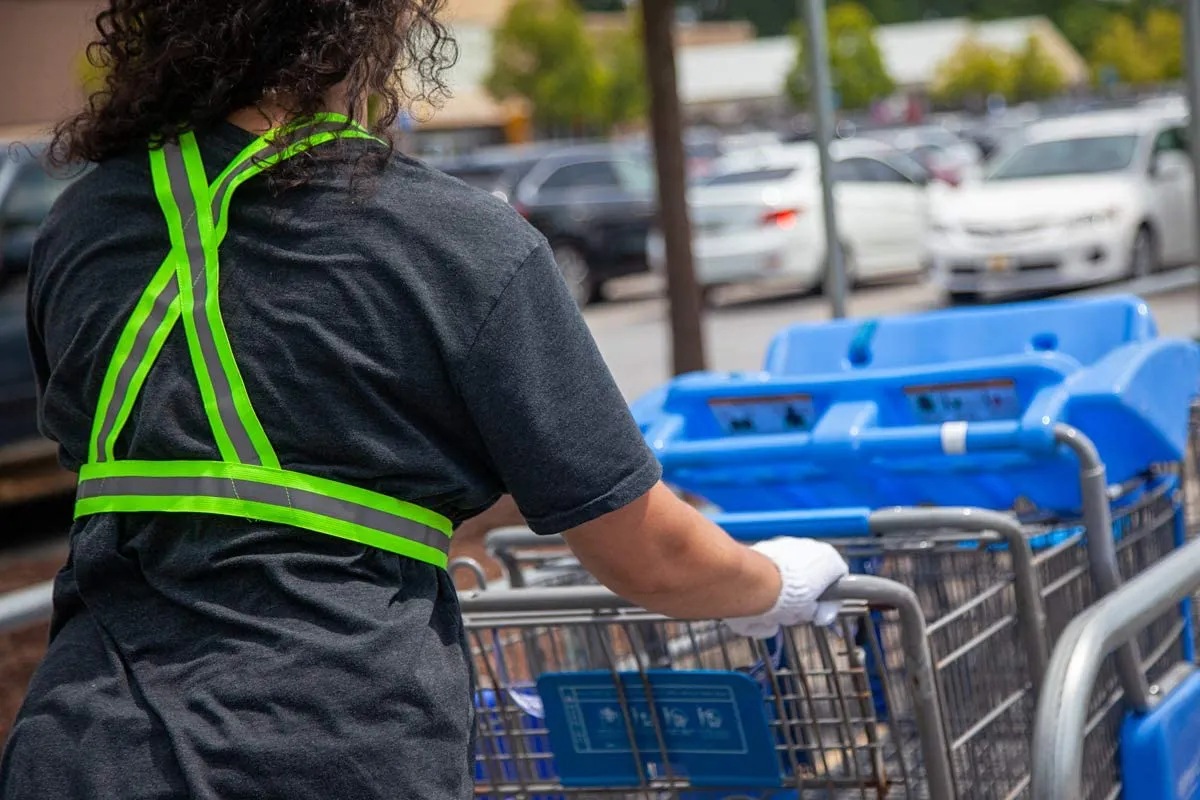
point(994, 591)
point(1142, 744)
point(727, 717)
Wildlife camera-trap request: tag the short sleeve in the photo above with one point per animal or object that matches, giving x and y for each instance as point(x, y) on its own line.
point(559, 434)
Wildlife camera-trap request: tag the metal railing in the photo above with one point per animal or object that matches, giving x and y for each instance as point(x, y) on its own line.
point(34, 604)
point(26, 607)
point(1113, 622)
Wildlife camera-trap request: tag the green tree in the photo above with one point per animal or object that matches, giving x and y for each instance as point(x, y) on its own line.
point(857, 70)
point(624, 97)
point(1035, 75)
point(1121, 50)
point(542, 53)
point(1163, 35)
point(973, 72)
point(1082, 22)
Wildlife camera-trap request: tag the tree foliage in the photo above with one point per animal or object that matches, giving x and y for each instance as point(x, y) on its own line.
point(1139, 55)
point(542, 54)
point(976, 71)
point(857, 70)
point(972, 73)
point(1163, 35)
point(1081, 21)
point(624, 95)
point(1034, 74)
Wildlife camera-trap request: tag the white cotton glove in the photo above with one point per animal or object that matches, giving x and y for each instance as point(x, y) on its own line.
point(807, 568)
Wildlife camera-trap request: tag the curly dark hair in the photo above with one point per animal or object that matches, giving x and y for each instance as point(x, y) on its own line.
point(172, 66)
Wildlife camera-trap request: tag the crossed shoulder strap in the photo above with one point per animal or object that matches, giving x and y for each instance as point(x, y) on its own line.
point(248, 481)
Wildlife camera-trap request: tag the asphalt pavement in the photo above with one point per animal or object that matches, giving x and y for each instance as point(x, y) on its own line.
point(632, 330)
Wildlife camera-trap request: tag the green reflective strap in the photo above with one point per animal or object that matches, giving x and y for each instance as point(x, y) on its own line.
point(271, 160)
point(275, 477)
point(354, 131)
point(163, 185)
point(305, 520)
point(157, 339)
point(212, 309)
point(235, 175)
point(351, 128)
point(100, 451)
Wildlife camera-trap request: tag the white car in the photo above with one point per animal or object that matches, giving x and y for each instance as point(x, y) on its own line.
point(1078, 201)
point(946, 155)
point(759, 216)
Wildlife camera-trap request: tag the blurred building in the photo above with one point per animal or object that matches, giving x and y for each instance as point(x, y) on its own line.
point(42, 46)
point(469, 117)
point(731, 82)
point(726, 75)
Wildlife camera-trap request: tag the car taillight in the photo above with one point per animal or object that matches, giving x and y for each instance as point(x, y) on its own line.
point(522, 210)
point(947, 176)
point(785, 218)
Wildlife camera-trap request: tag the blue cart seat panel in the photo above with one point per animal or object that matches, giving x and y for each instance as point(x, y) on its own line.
point(1160, 751)
point(1084, 330)
point(945, 408)
point(714, 724)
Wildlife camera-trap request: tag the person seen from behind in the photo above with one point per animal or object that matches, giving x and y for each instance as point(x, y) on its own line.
point(287, 361)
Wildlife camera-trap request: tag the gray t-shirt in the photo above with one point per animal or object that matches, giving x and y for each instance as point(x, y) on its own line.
point(413, 337)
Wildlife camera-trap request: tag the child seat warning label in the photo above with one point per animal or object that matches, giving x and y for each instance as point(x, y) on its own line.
point(764, 415)
point(977, 401)
point(696, 720)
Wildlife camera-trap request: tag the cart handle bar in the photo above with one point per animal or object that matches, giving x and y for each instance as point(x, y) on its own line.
point(1031, 611)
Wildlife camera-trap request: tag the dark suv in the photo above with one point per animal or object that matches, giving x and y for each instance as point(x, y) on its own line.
point(595, 205)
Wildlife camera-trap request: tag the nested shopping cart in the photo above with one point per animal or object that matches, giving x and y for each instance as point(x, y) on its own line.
point(992, 603)
point(1154, 753)
point(1030, 410)
point(723, 717)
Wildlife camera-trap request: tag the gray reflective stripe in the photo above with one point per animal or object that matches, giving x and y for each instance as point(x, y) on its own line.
point(141, 344)
point(218, 195)
point(194, 247)
point(270, 494)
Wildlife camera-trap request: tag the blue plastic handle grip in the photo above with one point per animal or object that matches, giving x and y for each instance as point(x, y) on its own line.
point(826, 523)
point(928, 439)
point(917, 440)
point(734, 450)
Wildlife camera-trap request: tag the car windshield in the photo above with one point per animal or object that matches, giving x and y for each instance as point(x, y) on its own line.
point(1082, 156)
point(751, 176)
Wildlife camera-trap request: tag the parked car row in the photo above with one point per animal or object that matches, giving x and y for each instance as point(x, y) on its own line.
point(27, 191)
point(595, 204)
point(759, 216)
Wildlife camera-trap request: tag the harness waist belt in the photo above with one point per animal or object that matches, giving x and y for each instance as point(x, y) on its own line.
point(271, 495)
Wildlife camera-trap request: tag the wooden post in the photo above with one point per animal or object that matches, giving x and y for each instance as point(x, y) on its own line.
point(687, 332)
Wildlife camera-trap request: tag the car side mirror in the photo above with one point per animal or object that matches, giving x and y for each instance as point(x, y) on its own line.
point(1168, 165)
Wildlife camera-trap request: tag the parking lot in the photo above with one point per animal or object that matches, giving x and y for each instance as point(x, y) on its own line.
point(632, 329)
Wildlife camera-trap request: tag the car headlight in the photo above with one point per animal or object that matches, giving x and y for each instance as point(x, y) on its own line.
point(1099, 217)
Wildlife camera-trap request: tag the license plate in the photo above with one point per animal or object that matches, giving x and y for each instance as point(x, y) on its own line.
point(998, 263)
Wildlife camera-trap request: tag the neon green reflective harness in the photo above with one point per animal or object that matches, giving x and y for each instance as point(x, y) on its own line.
point(248, 481)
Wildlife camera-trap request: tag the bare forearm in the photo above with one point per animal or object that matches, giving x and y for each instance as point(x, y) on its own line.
point(502, 514)
point(669, 558)
point(712, 581)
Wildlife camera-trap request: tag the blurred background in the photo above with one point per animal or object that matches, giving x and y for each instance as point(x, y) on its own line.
point(980, 151)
